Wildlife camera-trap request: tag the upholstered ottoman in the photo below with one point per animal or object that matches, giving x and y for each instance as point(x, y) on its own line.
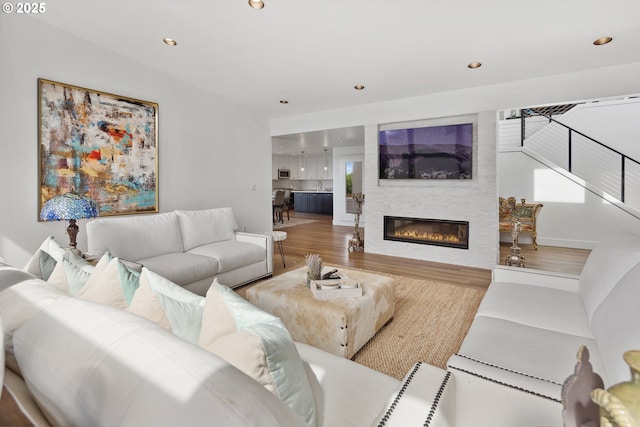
point(340, 326)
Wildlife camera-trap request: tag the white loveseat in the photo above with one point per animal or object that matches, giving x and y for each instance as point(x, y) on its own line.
point(189, 248)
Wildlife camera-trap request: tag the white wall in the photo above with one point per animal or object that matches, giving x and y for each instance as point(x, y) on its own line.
point(572, 216)
point(615, 123)
point(613, 81)
point(203, 139)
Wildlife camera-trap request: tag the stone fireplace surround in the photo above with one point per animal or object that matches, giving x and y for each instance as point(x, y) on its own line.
point(475, 200)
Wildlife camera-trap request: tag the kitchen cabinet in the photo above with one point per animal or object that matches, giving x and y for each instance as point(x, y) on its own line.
point(309, 168)
point(313, 202)
point(321, 173)
point(313, 167)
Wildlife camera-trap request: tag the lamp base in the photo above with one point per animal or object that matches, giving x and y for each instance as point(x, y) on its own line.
point(72, 231)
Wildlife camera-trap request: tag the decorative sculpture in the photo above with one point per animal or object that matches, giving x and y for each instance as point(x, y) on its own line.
point(578, 410)
point(357, 243)
point(514, 258)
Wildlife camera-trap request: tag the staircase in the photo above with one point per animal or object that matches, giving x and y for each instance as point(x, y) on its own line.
point(604, 171)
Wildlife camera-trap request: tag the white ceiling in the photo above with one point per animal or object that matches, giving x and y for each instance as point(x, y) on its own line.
point(312, 53)
point(316, 142)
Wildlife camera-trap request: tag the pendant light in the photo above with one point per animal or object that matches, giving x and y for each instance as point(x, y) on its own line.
point(325, 160)
point(302, 161)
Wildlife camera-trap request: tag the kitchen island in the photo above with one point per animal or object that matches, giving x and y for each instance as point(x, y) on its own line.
point(318, 202)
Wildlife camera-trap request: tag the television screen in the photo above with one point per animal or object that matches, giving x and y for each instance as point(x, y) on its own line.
point(436, 152)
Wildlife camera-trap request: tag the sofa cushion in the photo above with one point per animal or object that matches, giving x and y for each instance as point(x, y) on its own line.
point(607, 263)
point(135, 238)
point(18, 304)
point(183, 268)
point(10, 275)
point(542, 353)
point(258, 344)
point(346, 393)
point(111, 283)
point(169, 305)
point(538, 306)
point(123, 370)
point(615, 326)
point(206, 226)
point(231, 254)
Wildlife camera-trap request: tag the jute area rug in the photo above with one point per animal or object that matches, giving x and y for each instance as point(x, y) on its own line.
point(430, 321)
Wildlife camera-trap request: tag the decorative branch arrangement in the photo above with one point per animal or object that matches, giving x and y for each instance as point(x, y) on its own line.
point(314, 265)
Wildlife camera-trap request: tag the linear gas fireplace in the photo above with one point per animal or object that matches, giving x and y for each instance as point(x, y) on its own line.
point(439, 232)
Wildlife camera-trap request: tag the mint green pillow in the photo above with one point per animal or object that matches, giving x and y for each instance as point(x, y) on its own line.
point(69, 277)
point(111, 283)
point(169, 305)
point(258, 344)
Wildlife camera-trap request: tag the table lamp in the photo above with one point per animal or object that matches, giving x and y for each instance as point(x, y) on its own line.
point(69, 206)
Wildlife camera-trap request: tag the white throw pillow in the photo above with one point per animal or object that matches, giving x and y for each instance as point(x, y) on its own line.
point(44, 260)
point(169, 305)
point(71, 274)
point(111, 283)
point(206, 226)
point(41, 265)
point(258, 344)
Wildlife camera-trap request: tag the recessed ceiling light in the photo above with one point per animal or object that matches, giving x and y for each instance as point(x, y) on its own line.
point(358, 87)
point(256, 4)
point(284, 101)
point(170, 42)
point(603, 40)
point(475, 65)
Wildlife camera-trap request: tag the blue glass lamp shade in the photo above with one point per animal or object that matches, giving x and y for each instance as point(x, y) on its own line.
point(71, 206)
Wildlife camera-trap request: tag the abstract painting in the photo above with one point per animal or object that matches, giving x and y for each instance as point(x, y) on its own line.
point(99, 145)
point(436, 152)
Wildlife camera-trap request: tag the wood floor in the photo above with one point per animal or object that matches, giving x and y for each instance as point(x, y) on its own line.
point(331, 242)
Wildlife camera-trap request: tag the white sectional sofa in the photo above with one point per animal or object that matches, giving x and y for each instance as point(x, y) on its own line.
point(523, 342)
point(509, 371)
point(189, 248)
point(77, 362)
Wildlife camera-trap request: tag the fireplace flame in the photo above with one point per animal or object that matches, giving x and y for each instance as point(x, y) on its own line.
point(418, 235)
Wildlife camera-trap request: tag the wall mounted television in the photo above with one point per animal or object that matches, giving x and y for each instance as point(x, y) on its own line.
point(435, 152)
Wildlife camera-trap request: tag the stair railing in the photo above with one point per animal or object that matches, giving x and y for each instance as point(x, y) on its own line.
point(570, 132)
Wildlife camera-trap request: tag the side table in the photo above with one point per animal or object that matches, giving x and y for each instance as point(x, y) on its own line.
point(278, 237)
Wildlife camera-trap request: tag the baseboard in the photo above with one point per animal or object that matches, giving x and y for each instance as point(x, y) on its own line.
point(549, 241)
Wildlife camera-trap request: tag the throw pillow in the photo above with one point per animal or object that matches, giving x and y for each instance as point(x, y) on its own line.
point(71, 274)
point(111, 283)
point(258, 344)
point(40, 265)
point(206, 226)
point(169, 305)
